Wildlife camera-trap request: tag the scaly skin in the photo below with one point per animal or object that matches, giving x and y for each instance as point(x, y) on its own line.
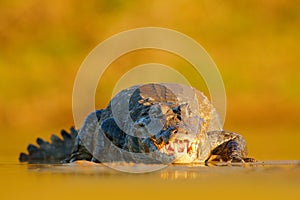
point(151, 123)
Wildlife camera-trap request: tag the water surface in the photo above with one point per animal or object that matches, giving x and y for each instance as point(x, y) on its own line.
point(266, 180)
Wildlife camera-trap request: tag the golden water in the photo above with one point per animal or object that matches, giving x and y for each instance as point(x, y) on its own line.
point(276, 180)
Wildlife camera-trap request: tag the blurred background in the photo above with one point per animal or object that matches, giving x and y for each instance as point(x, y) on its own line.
point(255, 45)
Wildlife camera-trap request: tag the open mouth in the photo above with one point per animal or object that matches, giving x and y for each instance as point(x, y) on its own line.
point(177, 147)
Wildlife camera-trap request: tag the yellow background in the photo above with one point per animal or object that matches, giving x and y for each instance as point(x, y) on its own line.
point(255, 45)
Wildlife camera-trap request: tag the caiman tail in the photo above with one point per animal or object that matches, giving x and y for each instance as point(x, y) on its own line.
point(54, 152)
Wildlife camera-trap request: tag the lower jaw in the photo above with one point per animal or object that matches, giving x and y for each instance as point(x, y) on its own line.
point(184, 159)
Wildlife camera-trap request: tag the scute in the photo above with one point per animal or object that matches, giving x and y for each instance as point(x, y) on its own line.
point(156, 123)
point(136, 119)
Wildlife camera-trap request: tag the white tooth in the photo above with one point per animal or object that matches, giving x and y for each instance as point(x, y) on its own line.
point(175, 149)
point(185, 149)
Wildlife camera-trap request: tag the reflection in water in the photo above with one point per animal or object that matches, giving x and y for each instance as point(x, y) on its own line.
point(177, 174)
point(84, 180)
point(169, 173)
point(172, 172)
